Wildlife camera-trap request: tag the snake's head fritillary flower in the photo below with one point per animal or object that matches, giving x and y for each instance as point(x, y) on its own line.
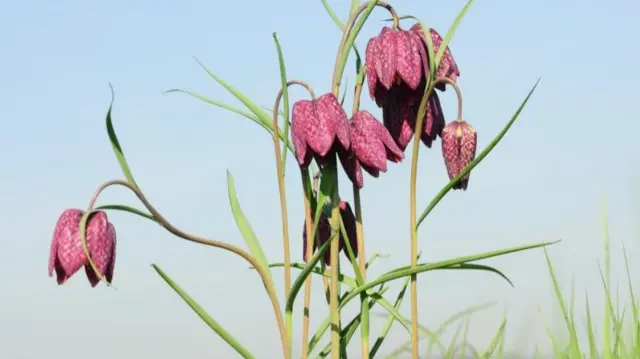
point(448, 67)
point(459, 143)
point(371, 147)
point(399, 114)
point(392, 59)
point(67, 256)
point(319, 128)
point(323, 234)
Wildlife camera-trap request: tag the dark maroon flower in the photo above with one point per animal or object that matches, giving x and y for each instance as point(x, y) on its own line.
point(315, 126)
point(448, 67)
point(459, 143)
point(399, 113)
point(323, 234)
point(371, 147)
point(66, 255)
point(392, 58)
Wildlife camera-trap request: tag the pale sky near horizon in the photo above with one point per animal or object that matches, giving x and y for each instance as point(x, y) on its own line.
point(574, 144)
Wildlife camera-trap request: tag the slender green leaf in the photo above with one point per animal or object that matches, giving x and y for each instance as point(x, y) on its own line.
point(115, 144)
point(215, 326)
point(451, 31)
point(123, 208)
point(243, 225)
point(575, 350)
point(297, 284)
point(442, 264)
point(350, 40)
point(285, 99)
point(496, 339)
point(593, 351)
point(246, 114)
point(477, 160)
point(390, 320)
point(340, 24)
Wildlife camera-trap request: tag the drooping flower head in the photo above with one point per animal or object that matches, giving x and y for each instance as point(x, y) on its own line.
point(371, 147)
point(323, 234)
point(399, 114)
point(392, 59)
point(67, 256)
point(319, 129)
point(459, 143)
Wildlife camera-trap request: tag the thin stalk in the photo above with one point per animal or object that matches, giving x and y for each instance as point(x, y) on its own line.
point(341, 58)
point(308, 254)
point(268, 284)
point(335, 249)
point(283, 193)
point(412, 199)
point(364, 303)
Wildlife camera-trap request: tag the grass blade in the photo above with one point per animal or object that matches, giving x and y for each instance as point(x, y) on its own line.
point(477, 160)
point(115, 144)
point(393, 275)
point(215, 326)
point(575, 348)
point(230, 108)
point(499, 337)
point(285, 100)
point(451, 31)
point(243, 225)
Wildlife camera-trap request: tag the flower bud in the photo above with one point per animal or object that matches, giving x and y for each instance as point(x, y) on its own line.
point(459, 142)
point(67, 256)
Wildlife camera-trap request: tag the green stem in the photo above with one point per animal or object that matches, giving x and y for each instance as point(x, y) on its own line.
point(308, 253)
point(364, 303)
point(335, 249)
point(351, 30)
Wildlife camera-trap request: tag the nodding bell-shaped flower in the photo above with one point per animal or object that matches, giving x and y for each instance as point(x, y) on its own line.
point(393, 59)
point(315, 126)
point(371, 147)
point(399, 114)
point(459, 143)
point(448, 67)
point(323, 234)
point(67, 255)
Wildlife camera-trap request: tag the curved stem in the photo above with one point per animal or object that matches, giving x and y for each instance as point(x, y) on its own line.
point(283, 193)
point(456, 88)
point(357, 93)
point(209, 242)
point(308, 253)
point(345, 36)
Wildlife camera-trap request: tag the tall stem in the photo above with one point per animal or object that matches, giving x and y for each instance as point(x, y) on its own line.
point(308, 253)
point(335, 265)
point(364, 302)
point(158, 218)
point(281, 189)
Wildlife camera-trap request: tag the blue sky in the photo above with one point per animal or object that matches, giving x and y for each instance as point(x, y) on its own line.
point(573, 144)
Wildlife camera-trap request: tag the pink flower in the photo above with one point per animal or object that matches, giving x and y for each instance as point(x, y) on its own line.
point(459, 143)
point(67, 256)
point(392, 59)
point(371, 147)
point(315, 127)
